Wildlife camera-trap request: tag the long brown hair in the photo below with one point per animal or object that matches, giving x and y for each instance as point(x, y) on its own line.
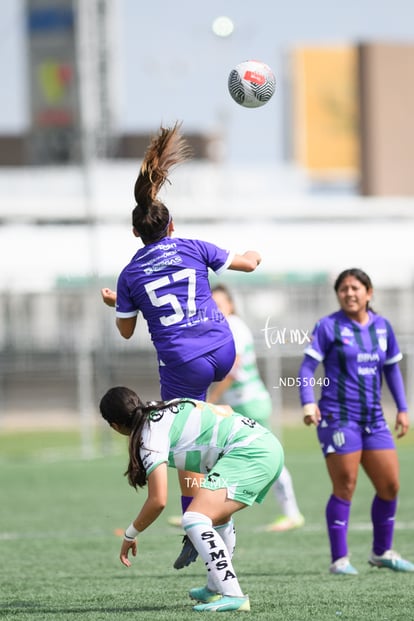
point(122, 406)
point(150, 217)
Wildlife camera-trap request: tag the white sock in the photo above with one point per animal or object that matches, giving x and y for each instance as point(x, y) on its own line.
point(228, 533)
point(212, 549)
point(285, 495)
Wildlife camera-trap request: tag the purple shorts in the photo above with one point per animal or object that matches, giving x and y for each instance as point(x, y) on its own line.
point(193, 378)
point(353, 436)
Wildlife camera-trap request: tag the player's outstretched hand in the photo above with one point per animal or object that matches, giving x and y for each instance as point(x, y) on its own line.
point(253, 256)
point(108, 296)
point(125, 548)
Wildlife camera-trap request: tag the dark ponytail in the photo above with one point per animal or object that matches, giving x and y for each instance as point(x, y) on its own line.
point(122, 406)
point(136, 473)
point(150, 217)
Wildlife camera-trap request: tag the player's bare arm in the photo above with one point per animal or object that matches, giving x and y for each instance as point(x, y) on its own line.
point(126, 326)
point(151, 509)
point(246, 262)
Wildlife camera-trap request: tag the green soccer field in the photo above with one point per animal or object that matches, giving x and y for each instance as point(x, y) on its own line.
point(60, 514)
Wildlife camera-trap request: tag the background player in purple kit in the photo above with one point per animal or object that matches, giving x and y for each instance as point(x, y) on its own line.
point(356, 346)
point(167, 281)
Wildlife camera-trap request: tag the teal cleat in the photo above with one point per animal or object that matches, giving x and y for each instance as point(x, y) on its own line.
point(204, 595)
point(343, 567)
point(391, 560)
point(226, 604)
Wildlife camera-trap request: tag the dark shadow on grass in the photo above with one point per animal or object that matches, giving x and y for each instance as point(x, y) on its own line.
point(133, 577)
point(30, 607)
point(275, 574)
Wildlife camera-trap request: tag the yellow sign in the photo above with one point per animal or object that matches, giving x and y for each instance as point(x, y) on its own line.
point(325, 100)
point(54, 79)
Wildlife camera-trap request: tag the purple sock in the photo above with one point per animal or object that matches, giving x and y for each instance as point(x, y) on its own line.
point(383, 516)
point(185, 502)
point(337, 516)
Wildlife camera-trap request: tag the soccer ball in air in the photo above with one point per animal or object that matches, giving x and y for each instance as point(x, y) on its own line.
point(251, 83)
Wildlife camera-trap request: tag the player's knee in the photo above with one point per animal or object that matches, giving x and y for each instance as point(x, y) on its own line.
point(345, 488)
point(389, 490)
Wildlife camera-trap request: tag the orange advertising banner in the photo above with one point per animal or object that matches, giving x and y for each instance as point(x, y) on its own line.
point(325, 101)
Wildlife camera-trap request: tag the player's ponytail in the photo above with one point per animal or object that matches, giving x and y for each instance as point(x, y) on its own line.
point(136, 472)
point(124, 411)
point(153, 410)
point(150, 217)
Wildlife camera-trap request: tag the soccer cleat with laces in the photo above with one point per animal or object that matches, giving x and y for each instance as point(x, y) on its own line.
point(204, 595)
point(342, 567)
point(284, 523)
point(226, 603)
point(390, 560)
point(187, 555)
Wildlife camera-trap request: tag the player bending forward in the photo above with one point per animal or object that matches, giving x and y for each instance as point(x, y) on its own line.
point(240, 458)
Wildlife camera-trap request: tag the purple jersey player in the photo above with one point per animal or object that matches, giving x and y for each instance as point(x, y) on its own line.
point(357, 347)
point(167, 282)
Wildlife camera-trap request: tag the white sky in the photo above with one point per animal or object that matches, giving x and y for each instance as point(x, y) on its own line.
point(170, 65)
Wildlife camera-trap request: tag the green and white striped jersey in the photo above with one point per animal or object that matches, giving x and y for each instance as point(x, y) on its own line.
point(247, 384)
point(193, 437)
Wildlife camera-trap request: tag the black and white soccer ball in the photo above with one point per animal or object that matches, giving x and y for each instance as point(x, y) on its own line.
point(251, 83)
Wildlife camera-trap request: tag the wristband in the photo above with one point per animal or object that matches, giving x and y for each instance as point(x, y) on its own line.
point(131, 532)
point(309, 409)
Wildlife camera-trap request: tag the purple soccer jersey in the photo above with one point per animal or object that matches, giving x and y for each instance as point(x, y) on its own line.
point(167, 282)
point(354, 358)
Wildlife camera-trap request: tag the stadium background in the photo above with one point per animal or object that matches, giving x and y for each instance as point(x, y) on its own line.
point(318, 180)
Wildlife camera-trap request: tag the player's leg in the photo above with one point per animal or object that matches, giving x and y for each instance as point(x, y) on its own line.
point(237, 480)
point(342, 448)
point(189, 484)
point(380, 462)
point(285, 495)
point(227, 531)
point(223, 588)
point(192, 380)
point(343, 471)
point(382, 468)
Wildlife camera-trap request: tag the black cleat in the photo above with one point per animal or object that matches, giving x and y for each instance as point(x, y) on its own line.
point(187, 555)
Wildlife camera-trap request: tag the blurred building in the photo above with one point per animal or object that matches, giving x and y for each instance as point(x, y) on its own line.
point(318, 180)
point(341, 114)
point(386, 96)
